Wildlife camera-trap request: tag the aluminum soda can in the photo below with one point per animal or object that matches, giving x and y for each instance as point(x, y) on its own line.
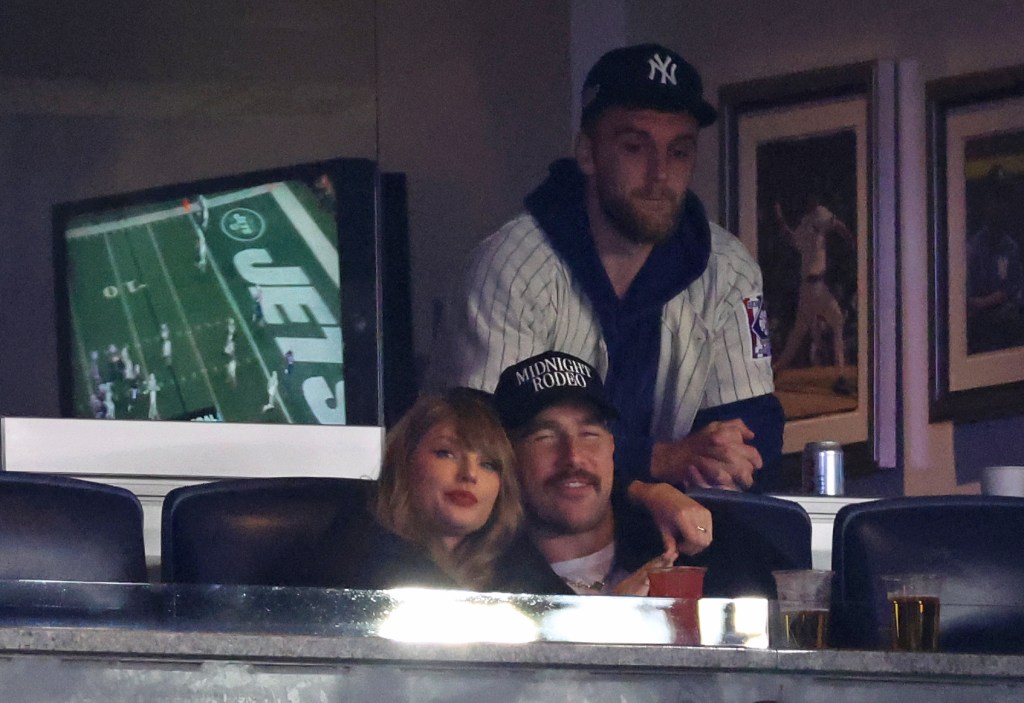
point(823, 468)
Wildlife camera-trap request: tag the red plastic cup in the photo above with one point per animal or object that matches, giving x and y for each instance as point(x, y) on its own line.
point(677, 582)
point(686, 584)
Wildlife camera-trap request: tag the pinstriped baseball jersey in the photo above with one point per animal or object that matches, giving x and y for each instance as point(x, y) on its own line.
point(520, 299)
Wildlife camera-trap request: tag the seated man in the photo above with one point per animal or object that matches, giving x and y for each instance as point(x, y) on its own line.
point(554, 408)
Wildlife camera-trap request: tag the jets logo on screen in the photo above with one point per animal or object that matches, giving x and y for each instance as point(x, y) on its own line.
point(757, 320)
point(243, 224)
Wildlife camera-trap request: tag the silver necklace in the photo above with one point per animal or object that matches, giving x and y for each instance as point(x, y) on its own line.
point(587, 587)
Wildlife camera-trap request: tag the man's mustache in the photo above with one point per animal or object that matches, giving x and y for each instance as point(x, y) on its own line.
point(573, 475)
point(656, 193)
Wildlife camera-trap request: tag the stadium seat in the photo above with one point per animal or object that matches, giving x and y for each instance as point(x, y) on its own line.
point(57, 528)
point(972, 542)
point(255, 531)
point(753, 536)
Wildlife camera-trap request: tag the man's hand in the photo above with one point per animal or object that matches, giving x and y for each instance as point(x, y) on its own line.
point(717, 456)
point(684, 523)
point(637, 583)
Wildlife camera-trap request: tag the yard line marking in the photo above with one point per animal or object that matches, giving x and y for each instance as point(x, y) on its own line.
point(132, 329)
point(242, 324)
point(76, 330)
point(153, 217)
point(184, 317)
point(324, 252)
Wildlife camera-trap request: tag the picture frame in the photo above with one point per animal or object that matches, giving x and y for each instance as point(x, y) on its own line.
point(807, 182)
point(975, 138)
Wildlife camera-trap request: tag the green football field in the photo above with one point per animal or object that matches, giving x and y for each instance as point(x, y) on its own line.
point(132, 272)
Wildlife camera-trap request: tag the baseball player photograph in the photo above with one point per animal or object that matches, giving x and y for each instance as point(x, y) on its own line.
point(807, 248)
point(995, 270)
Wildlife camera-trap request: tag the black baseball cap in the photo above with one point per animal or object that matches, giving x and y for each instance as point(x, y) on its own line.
point(547, 379)
point(645, 76)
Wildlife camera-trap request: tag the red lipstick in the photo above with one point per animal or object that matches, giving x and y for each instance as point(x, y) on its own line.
point(463, 499)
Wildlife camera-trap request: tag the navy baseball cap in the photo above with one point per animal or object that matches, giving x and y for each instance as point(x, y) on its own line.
point(527, 388)
point(645, 76)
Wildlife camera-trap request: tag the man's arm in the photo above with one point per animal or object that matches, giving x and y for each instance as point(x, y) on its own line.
point(638, 583)
point(780, 220)
point(840, 227)
point(718, 456)
point(735, 446)
point(685, 524)
point(739, 428)
point(765, 418)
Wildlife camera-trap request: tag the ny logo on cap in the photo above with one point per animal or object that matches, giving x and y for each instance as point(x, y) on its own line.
point(665, 67)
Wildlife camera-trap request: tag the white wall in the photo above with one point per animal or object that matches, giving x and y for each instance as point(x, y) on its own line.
point(737, 40)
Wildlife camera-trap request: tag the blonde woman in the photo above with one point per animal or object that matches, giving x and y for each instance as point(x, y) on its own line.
point(446, 504)
point(448, 486)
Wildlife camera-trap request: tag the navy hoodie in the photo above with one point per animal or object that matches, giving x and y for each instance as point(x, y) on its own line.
point(631, 326)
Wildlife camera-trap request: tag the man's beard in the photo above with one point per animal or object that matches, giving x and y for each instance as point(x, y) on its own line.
point(550, 521)
point(555, 524)
point(633, 223)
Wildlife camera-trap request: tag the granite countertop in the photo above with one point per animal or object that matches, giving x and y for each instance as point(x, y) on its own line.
point(127, 643)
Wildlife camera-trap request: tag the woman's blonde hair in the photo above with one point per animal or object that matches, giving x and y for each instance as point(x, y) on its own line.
point(471, 564)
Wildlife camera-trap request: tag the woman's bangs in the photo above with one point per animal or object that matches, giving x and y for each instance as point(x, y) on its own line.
point(483, 435)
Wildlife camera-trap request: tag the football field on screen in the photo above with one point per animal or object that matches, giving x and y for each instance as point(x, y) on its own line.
point(130, 272)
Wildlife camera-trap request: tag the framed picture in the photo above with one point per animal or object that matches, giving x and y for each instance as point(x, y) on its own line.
point(799, 186)
point(976, 214)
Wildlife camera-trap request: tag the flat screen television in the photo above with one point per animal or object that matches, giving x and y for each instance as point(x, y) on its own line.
point(253, 297)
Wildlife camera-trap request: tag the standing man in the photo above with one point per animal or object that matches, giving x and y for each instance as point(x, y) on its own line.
point(257, 305)
point(202, 251)
point(203, 215)
point(554, 408)
point(165, 349)
point(129, 366)
point(133, 388)
point(229, 349)
point(165, 346)
point(152, 388)
point(271, 392)
point(615, 262)
point(107, 396)
point(232, 369)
